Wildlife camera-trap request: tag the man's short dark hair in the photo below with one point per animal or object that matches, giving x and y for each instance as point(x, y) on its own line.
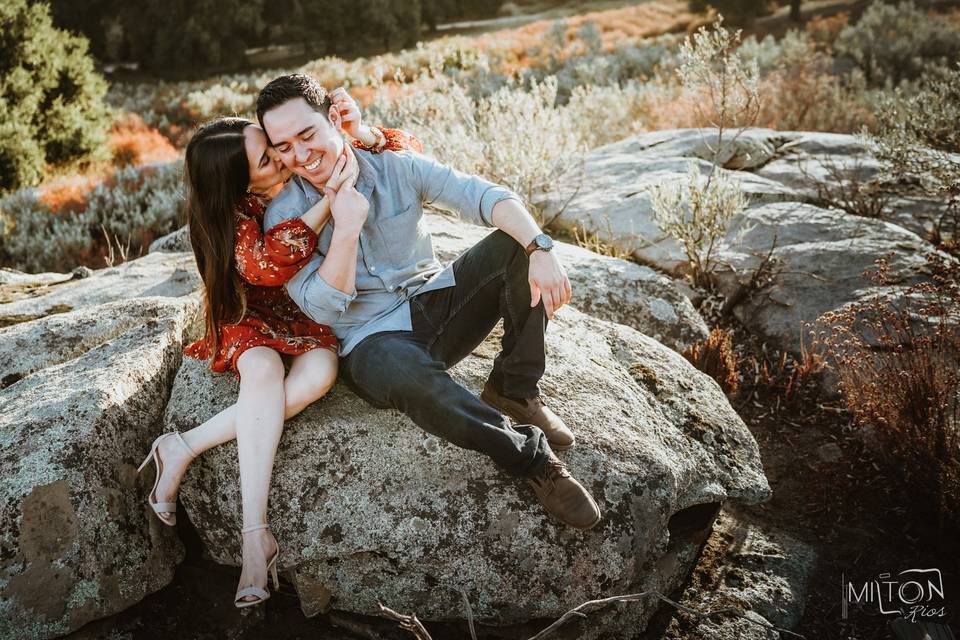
point(290, 87)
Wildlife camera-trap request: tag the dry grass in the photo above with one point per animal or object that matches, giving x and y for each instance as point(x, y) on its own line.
point(716, 357)
point(522, 48)
point(132, 142)
point(896, 358)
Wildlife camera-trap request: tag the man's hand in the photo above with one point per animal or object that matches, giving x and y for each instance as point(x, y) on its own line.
point(548, 280)
point(350, 115)
point(347, 205)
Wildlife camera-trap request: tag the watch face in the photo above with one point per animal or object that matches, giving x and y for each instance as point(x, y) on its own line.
point(543, 241)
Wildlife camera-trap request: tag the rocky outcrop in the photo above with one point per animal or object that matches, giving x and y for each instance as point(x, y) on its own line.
point(367, 506)
point(76, 415)
point(166, 275)
point(817, 254)
point(760, 573)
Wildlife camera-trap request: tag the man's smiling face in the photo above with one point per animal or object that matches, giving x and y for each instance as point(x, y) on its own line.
point(307, 142)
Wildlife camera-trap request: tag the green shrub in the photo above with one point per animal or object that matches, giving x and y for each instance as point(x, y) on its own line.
point(896, 42)
point(50, 96)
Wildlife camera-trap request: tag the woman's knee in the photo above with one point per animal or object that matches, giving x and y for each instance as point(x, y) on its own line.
point(260, 365)
point(311, 379)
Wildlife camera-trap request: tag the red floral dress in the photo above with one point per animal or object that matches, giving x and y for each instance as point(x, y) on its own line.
point(265, 262)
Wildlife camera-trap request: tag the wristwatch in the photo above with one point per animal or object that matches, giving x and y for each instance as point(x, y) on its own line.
point(542, 242)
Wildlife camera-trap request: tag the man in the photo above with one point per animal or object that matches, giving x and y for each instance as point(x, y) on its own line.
point(402, 319)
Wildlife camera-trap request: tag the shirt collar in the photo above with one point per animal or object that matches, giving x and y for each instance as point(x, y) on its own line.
point(365, 180)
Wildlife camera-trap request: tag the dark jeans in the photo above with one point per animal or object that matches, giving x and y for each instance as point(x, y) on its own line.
point(407, 370)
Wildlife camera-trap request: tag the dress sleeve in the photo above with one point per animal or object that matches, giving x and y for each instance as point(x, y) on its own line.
point(397, 140)
point(270, 259)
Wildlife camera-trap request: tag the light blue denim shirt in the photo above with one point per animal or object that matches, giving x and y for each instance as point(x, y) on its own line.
point(395, 258)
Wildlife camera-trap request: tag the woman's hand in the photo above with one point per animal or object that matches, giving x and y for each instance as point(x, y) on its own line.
point(350, 117)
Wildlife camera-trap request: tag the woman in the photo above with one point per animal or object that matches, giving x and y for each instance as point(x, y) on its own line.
point(250, 321)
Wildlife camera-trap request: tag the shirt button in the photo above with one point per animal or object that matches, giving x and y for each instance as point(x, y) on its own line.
point(373, 269)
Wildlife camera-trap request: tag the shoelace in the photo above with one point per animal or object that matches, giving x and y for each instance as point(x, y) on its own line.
point(558, 468)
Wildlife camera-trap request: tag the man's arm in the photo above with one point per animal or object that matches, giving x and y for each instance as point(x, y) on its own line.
point(325, 287)
point(483, 202)
point(470, 197)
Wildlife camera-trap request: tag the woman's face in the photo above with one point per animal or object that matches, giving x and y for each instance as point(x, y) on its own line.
point(266, 170)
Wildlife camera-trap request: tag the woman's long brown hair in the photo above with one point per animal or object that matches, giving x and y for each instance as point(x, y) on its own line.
point(217, 176)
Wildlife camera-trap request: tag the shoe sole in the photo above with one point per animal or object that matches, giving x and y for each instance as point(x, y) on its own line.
point(555, 447)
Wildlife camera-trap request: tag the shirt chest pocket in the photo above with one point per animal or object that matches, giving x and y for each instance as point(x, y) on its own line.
point(400, 237)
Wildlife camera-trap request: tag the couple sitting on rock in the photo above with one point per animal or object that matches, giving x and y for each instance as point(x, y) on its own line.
point(365, 286)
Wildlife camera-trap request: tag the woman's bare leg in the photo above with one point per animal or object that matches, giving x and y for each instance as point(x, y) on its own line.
point(312, 374)
point(259, 424)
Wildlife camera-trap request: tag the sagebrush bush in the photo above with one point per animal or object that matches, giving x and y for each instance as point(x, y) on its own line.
point(133, 208)
point(895, 42)
point(36, 239)
point(515, 137)
point(918, 141)
point(800, 91)
point(698, 212)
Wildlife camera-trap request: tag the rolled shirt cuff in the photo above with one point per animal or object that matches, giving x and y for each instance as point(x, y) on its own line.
point(325, 303)
point(490, 198)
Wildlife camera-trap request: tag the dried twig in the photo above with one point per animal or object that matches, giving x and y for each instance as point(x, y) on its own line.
point(595, 605)
point(466, 603)
point(413, 625)
point(407, 623)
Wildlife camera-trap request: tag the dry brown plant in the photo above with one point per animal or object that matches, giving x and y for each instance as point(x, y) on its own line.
point(896, 359)
point(716, 357)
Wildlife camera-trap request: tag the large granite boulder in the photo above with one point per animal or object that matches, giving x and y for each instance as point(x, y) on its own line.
point(86, 364)
point(83, 396)
point(760, 573)
point(817, 254)
point(367, 507)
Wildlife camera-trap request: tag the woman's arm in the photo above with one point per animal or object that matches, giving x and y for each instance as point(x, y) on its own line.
point(271, 259)
point(374, 139)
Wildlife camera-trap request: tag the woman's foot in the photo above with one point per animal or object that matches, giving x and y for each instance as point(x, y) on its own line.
point(259, 547)
point(174, 456)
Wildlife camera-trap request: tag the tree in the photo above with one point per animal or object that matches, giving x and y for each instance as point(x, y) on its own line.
point(50, 95)
point(183, 37)
point(735, 11)
point(795, 10)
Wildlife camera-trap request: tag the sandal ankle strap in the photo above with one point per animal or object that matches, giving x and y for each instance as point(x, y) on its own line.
point(255, 527)
point(184, 443)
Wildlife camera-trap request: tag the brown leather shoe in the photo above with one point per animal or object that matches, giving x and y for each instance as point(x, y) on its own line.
point(563, 497)
point(531, 411)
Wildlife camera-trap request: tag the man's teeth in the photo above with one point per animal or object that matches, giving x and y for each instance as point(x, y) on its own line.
point(313, 165)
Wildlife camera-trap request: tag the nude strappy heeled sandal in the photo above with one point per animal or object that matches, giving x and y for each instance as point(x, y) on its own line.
point(166, 511)
point(259, 592)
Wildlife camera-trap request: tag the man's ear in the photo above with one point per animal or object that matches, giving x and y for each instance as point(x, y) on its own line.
point(334, 115)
